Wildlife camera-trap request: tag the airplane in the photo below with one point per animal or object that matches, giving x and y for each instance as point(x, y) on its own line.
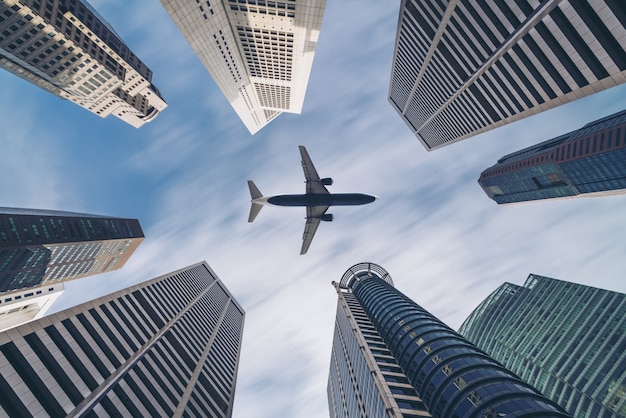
point(317, 200)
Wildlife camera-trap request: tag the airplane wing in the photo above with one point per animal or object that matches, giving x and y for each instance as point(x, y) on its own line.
point(313, 184)
point(313, 218)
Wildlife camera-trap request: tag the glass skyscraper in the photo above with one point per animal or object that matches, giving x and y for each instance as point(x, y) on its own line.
point(45, 246)
point(391, 358)
point(568, 340)
point(68, 49)
point(590, 161)
point(462, 67)
point(166, 347)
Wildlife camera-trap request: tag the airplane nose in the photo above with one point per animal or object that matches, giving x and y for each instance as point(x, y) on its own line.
point(376, 197)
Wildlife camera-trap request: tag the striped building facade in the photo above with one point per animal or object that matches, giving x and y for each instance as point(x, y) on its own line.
point(391, 358)
point(259, 52)
point(365, 379)
point(166, 347)
point(590, 161)
point(568, 340)
point(462, 67)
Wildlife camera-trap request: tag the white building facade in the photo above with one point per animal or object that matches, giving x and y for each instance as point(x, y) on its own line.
point(25, 305)
point(68, 49)
point(258, 52)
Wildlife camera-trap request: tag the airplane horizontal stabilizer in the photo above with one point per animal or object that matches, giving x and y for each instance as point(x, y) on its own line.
point(254, 211)
point(255, 193)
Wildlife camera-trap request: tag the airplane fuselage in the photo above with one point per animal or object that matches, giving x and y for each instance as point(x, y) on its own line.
point(311, 199)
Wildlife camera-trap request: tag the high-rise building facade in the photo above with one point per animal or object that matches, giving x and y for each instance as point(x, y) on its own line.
point(23, 305)
point(588, 162)
point(41, 247)
point(258, 52)
point(391, 358)
point(68, 49)
point(462, 67)
point(568, 340)
point(166, 347)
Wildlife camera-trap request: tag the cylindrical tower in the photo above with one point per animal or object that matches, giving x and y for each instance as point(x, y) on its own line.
point(453, 377)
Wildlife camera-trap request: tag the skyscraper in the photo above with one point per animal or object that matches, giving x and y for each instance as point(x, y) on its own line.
point(68, 49)
point(588, 162)
point(463, 67)
point(258, 52)
point(567, 340)
point(391, 358)
point(166, 347)
point(45, 246)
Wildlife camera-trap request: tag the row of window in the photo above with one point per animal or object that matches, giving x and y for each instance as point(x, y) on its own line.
point(404, 395)
point(40, 230)
point(273, 96)
point(424, 368)
point(525, 76)
point(543, 325)
point(271, 12)
point(25, 295)
point(227, 56)
point(353, 388)
point(102, 339)
point(591, 144)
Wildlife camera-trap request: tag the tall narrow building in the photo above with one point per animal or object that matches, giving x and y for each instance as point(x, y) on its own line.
point(42, 247)
point(258, 52)
point(462, 67)
point(68, 49)
point(166, 347)
point(568, 340)
point(588, 162)
point(391, 358)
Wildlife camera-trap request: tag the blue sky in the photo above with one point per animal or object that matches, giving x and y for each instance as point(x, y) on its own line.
point(446, 245)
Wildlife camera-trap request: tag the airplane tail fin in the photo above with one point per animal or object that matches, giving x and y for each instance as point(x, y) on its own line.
point(255, 208)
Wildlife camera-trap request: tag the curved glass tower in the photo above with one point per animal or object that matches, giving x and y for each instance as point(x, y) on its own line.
point(568, 340)
point(448, 376)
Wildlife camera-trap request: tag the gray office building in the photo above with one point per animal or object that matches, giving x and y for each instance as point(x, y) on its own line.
point(462, 67)
point(568, 340)
point(391, 358)
point(166, 347)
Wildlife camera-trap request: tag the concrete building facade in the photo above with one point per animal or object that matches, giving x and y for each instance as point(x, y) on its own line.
point(68, 49)
point(258, 52)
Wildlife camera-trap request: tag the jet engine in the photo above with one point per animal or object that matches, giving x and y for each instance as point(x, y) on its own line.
point(328, 217)
point(327, 181)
